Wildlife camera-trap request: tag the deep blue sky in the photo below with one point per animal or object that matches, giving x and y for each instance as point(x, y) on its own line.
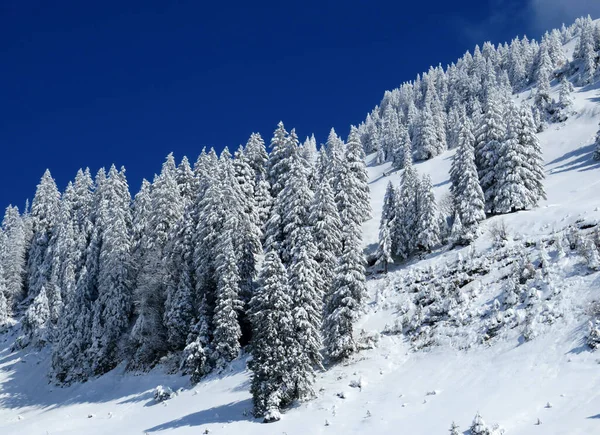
point(92, 83)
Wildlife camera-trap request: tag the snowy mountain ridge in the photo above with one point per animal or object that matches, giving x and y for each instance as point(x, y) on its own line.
point(498, 328)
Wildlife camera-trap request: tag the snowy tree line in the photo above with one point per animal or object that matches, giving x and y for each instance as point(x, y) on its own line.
point(427, 111)
point(259, 248)
point(497, 167)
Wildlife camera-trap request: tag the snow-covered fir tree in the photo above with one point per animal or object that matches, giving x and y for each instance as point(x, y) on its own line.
point(384, 249)
point(186, 181)
point(35, 320)
point(257, 156)
point(465, 188)
point(490, 135)
point(306, 289)
point(13, 256)
point(149, 333)
point(585, 52)
point(4, 306)
point(454, 429)
point(596, 154)
point(249, 233)
point(179, 303)
point(353, 195)
point(519, 171)
point(334, 149)
point(347, 296)
point(282, 148)
point(326, 229)
point(543, 76)
point(112, 309)
point(272, 332)
point(44, 212)
point(227, 331)
point(427, 229)
point(406, 218)
point(478, 427)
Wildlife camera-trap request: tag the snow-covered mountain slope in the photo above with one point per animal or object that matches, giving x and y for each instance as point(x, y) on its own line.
point(390, 388)
point(509, 383)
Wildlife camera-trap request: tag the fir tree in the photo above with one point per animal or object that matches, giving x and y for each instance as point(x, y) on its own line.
point(112, 309)
point(307, 308)
point(13, 256)
point(596, 155)
point(353, 195)
point(384, 250)
point(390, 134)
point(36, 318)
point(454, 429)
point(186, 181)
point(534, 181)
point(544, 70)
point(44, 211)
point(227, 332)
point(294, 207)
point(240, 190)
point(407, 215)
point(427, 230)
point(425, 145)
point(326, 228)
point(519, 170)
point(149, 333)
point(272, 326)
point(490, 135)
point(283, 147)
point(179, 303)
point(257, 156)
point(346, 300)
point(478, 427)
point(457, 233)
point(565, 102)
point(466, 190)
point(334, 148)
point(4, 311)
point(585, 52)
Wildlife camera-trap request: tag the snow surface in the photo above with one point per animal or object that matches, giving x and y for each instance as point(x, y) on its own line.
point(509, 383)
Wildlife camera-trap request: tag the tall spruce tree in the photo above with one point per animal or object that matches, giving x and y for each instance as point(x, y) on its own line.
point(257, 156)
point(407, 214)
point(334, 150)
point(427, 231)
point(272, 332)
point(13, 257)
point(227, 332)
point(466, 190)
point(490, 135)
point(596, 154)
point(4, 307)
point(282, 148)
point(44, 211)
point(112, 309)
point(518, 167)
point(307, 308)
point(149, 333)
point(326, 228)
point(384, 249)
point(353, 197)
point(534, 181)
point(347, 298)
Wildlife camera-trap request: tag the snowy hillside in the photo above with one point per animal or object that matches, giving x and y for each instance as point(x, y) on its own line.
point(415, 382)
point(510, 383)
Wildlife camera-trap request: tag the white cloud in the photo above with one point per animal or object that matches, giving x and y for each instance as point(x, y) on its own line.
point(548, 14)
